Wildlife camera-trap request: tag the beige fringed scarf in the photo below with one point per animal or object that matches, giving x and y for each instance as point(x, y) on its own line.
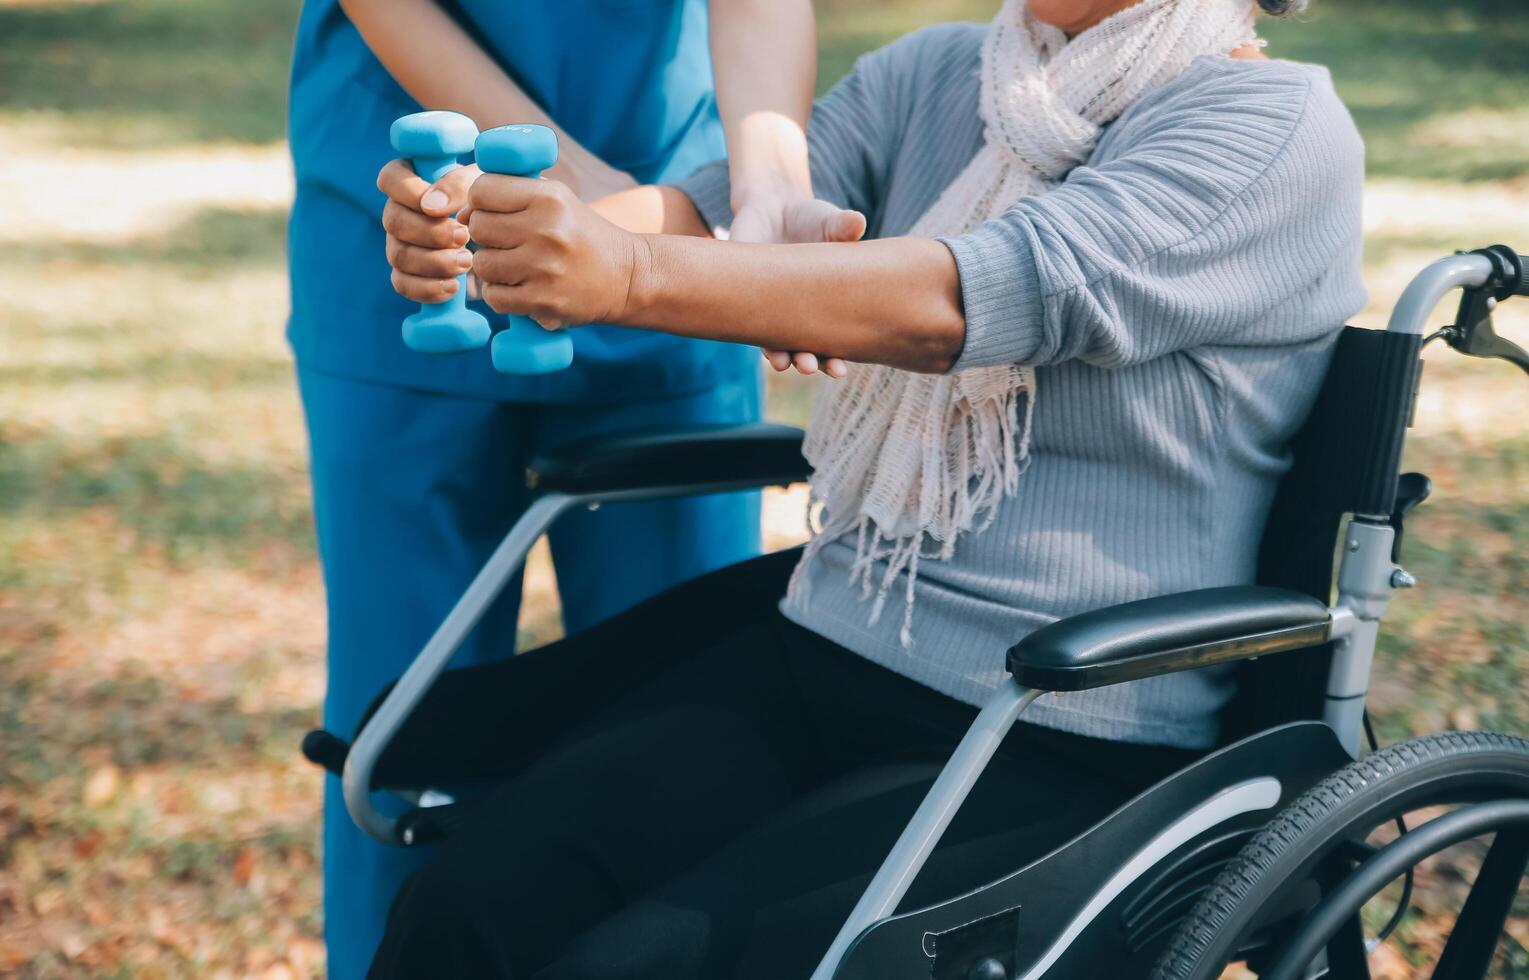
point(909, 461)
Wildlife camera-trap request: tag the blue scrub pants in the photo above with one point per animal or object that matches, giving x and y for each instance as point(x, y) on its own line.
point(412, 490)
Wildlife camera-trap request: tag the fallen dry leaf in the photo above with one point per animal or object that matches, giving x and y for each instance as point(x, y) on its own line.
point(88, 843)
point(244, 866)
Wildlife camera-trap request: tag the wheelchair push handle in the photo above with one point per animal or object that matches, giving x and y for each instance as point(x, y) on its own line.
point(1522, 287)
point(1486, 277)
point(525, 348)
point(1504, 274)
point(434, 143)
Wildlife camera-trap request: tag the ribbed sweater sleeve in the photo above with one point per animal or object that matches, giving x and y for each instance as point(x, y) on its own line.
point(1219, 215)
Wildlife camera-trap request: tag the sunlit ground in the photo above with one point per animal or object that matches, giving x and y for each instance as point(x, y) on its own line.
point(161, 616)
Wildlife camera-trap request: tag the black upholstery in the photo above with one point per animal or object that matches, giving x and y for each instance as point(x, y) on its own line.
point(759, 454)
point(1167, 633)
point(1345, 460)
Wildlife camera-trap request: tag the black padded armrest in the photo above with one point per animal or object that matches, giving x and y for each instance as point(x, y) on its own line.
point(755, 455)
point(1166, 634)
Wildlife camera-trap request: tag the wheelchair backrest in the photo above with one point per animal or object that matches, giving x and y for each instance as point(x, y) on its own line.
point(1345, 460)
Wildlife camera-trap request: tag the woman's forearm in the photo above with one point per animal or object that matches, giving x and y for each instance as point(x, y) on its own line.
point(764, 57)
point(894, 301)
point(545, 254)
point(414, 38)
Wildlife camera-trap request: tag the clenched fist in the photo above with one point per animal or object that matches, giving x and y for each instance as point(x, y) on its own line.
point(544, 254)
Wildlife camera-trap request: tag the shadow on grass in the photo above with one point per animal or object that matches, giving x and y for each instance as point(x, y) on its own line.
point(138, 723)
point(1451, 652)
point(177, 367)
point(1398, 64)
point(156, 488)
point(208, 239)
point(1401, 64)
point(1382, 248)
point(151, 72)
point(142, 720)
point(157, 72)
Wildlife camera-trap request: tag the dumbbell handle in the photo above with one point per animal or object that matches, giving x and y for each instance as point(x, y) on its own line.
point(432, 168)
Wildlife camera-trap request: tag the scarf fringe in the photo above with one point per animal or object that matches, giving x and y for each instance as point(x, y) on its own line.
point(987, 452)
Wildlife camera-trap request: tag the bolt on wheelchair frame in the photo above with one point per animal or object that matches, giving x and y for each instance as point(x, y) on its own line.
point(1367, 576)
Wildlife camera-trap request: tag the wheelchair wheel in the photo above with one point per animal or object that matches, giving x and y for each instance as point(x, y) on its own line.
point(1256, 908)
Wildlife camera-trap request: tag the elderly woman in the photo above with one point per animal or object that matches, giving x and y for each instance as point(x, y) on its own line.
point(1111, 246)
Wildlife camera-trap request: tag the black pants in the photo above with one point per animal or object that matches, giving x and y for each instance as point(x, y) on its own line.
point(701, 789)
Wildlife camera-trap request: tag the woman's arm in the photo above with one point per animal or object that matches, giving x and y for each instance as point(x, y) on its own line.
point(545, 254)
point(414, 38)
point(894, 301)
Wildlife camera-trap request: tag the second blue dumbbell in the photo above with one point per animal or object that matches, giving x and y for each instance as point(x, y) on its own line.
point(525, 348)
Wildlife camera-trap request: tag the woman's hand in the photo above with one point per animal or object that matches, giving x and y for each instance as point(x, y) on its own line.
point(545, 254)
point(795, 218)
point(426, 246)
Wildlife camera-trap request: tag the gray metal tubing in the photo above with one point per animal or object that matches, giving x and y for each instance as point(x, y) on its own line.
point(412, 686)
point(1410, 315)
point(681, 490)
point(934, 814)
point(1364, 590)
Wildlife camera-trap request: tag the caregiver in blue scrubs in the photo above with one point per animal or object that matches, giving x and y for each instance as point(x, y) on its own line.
point(418, 461)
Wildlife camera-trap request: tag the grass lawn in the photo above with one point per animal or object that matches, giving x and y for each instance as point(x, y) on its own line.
point(161, 614)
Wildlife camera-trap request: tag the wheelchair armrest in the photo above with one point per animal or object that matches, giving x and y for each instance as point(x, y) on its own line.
point(727, 456)
point(1167, 634)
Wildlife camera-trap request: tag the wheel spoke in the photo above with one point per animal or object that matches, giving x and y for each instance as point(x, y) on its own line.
point(1347, 957)
point(1468, 954)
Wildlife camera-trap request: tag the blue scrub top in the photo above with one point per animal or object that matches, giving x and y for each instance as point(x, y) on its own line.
point(629, 79)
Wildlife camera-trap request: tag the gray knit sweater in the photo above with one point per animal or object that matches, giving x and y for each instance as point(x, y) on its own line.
point(1179, 296)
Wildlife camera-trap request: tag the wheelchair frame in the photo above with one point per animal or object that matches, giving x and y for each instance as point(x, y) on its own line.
point(1367, 577)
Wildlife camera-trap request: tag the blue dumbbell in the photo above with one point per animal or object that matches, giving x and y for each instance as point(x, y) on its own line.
point(433, 142)
point(525, 348)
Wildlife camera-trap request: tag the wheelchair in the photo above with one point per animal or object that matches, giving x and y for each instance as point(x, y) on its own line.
point(1258, 853)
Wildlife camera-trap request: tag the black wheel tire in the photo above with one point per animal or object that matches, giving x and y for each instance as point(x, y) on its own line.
point(1452, 767)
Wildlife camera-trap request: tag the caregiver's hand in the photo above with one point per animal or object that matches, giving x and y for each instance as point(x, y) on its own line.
point(794, 218)
point(426, 246)
point(545, 254)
